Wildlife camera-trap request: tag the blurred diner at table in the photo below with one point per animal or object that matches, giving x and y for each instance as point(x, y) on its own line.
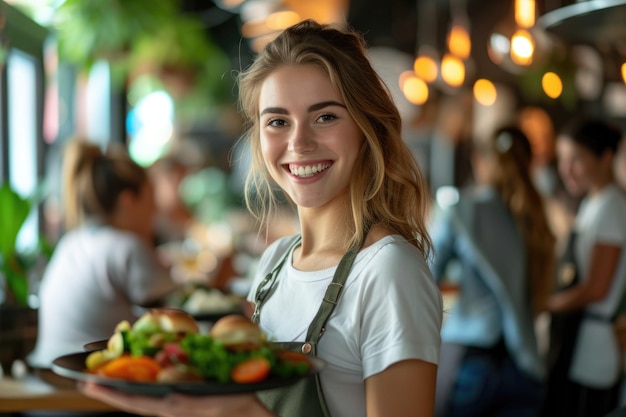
point(105, 265)
point(173, 215)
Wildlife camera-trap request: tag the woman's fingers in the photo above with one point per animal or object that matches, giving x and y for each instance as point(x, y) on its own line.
point(149, 406)
point(177, 405)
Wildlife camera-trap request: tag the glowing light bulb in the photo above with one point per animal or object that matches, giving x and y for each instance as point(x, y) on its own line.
point(485, 92)
point(425, 67)
point(459, 42)
point(525, 13)
point(415, 90)
point(282, 20)
point(624, 72)
point(552, 85)
point(452, 70)
point(522, 47)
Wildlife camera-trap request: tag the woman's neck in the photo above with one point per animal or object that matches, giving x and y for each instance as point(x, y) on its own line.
point(601, 184)
point(324, 239)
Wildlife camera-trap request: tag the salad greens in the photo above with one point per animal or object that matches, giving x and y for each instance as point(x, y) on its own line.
point(206, 356)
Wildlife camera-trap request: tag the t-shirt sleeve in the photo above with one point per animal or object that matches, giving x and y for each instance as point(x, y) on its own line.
point(401, 310)
point(607, 225)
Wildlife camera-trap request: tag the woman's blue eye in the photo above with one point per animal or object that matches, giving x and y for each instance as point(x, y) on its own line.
point(276, 123)
point(327, 117)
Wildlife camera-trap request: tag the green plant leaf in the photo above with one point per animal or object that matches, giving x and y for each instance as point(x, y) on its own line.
point(15, 209)
point(17, 283)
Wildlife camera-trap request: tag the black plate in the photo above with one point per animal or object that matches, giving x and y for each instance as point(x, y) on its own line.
point(73, 366)
point(212, 317)
point(97, 345)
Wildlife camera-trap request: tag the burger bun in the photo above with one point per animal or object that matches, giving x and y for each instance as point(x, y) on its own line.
point(237, 331)
point(170, 320)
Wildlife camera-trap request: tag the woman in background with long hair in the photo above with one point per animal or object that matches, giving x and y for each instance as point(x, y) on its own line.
point(499, 234)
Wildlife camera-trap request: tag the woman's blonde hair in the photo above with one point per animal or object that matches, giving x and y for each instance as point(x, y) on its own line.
point(387, 186)
point(93, 180)
point(512, 153)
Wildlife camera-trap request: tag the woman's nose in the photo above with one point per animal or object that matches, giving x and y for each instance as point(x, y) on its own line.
point(302, 140)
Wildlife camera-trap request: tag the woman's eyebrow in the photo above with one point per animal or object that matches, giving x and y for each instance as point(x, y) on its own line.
point(277, 110)
point(319, 106)
point(312, 108)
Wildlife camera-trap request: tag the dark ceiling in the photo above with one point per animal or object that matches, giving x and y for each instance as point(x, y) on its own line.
point(395, 23)
point(407, 24)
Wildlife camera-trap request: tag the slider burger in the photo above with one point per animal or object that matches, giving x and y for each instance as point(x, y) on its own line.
point(237, 333)
point(156, 335)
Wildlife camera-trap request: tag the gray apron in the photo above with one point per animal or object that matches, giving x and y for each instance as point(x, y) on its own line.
point(305, 398)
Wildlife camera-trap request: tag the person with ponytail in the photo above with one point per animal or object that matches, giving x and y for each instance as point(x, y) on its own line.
point(499, 235)
point(104, 265)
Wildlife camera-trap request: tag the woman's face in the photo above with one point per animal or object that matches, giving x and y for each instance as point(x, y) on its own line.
point(578, 167)
point(308, 139)
point(483, 166)
point(142, 210)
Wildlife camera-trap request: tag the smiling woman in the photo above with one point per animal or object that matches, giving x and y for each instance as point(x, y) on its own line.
point(353, 287)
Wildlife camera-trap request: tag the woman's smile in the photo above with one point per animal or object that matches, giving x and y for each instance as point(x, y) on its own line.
point(308, 170)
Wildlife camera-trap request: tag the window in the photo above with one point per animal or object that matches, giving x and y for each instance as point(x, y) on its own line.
point(21, 110)
point(22, 134)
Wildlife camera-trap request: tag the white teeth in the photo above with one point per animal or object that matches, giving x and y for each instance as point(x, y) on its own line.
point(307, 171)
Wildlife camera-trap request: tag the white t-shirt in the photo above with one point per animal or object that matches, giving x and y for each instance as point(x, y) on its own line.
point(96, 277)
point(600, 219)
point(390, 310)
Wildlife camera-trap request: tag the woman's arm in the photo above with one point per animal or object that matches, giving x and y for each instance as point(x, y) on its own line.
point(178, 405)
point(604, 263)
point(406, 388)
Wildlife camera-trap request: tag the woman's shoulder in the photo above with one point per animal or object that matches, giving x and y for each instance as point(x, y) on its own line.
point(616, 195)
point(393, 253)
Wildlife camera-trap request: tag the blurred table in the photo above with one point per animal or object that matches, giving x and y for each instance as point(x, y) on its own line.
point(48, 392)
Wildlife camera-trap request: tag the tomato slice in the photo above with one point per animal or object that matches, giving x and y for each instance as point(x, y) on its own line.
point(294, 358)
point(131, 368)
point(251, 371)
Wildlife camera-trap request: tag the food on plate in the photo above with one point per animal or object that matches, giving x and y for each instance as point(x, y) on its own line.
point(237, 333)
point(165, 346)
point(204, 300)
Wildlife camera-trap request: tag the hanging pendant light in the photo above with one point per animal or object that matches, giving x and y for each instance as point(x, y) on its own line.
point(516, 43)
point(459, 45)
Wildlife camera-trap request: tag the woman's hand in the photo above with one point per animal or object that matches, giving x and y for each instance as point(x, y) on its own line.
point(178, 405)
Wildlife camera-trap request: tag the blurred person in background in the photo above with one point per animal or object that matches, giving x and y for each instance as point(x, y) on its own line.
point(584, 353)
point(104, 265)
point(173, 216)
point(498, 234)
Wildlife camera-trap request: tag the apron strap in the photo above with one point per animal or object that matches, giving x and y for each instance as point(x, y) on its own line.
point(265, 286)
point(316, 328)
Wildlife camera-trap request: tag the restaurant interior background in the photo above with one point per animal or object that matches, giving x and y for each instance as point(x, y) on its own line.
point(158, 76)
